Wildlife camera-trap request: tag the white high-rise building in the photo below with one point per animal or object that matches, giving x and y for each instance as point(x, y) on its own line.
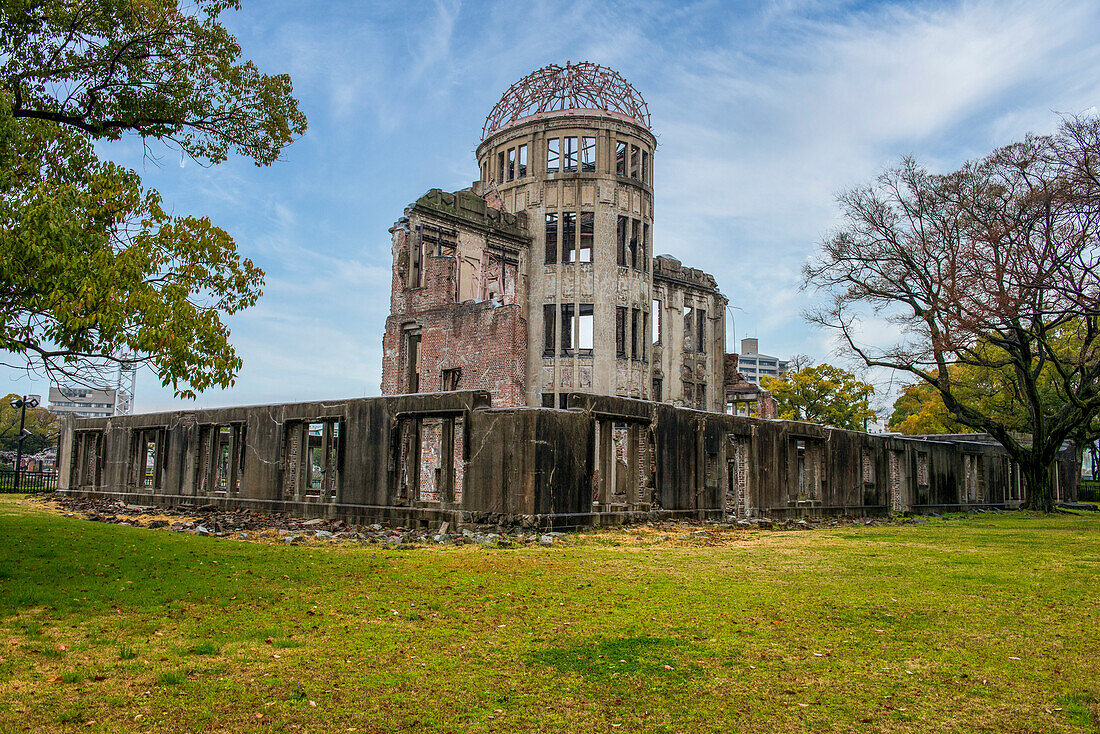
point(82, 402)
point(754, 365)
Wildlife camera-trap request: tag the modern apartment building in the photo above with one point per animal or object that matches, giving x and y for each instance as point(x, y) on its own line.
point(82, 402)
point(754, 365)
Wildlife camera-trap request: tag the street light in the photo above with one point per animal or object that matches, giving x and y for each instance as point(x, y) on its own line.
point(21, 404)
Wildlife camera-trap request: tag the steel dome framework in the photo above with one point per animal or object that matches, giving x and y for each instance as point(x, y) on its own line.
point(555, 88)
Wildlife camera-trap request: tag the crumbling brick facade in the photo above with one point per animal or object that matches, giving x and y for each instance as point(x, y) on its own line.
point(458, 316)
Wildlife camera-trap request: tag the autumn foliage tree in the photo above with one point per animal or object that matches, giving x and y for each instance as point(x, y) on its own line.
point(919, 410)
point(94, 268)
point(991, 270)
point(822, 394)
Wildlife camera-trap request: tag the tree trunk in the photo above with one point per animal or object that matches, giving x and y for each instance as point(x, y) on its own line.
point(1040, 486)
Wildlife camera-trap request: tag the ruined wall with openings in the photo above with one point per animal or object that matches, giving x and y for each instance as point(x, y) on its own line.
point(451, 457)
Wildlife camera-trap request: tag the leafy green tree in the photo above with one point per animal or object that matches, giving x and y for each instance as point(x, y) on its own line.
point(93, 269)
point(42, 424)
point(822, 394)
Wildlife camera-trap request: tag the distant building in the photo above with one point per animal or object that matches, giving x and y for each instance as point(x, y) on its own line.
point(82, 402)
point(744, 397)
point(754, 365)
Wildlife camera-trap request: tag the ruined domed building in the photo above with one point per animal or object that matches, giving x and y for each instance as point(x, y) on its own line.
point(542, 368)
point(539, 280)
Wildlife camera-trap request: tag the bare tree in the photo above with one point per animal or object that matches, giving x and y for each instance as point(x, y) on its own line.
point(993, 267)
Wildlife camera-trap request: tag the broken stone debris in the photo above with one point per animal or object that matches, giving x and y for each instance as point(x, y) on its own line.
point(248, 525)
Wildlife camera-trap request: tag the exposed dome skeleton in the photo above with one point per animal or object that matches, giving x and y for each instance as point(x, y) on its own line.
point(556, 88)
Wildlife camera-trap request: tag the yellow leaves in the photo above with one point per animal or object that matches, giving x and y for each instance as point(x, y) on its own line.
point(823, 394)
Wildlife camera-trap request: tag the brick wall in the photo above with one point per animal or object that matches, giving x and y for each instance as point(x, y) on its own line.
point(483, 339)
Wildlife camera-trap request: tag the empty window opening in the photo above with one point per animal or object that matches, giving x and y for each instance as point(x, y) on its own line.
point(656, 322)
point(620, 332)
point(870, 485)
point(436, 471)
point(563, 400)
point(549, 328)
point(223, 459)
point(576, 328)
point(658, 390)
point(408, 458)
point(642, 333)
point(522, 161)
point(412, 360)
point(620, 157)
point(548, 400)
point(87, 461)
point(439, 241)
point(645, 247)
point(511, 164)
point(635, 259)
point(451, 379)
point(588, 230)
point(584, 327)
point(315, 459)
point(645, 166)
point(416, 258)
point(801, 481)
point(568, 237)
point(149, 475)
point(312, 475)
point(689, 330)
point(552, 237)
point(500, 166)
point(553, 155)
point(570, 154)
point(588, 154)
point(620, 240)
point(634, 168)
point(567, 328)
point(700, 330)
point(148, 451)
point(635, 333)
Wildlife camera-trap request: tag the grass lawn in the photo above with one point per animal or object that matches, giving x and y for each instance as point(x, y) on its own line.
point(986, 623)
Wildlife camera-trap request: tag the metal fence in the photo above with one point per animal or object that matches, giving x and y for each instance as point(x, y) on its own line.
point(1089, 491)
point(29, 481)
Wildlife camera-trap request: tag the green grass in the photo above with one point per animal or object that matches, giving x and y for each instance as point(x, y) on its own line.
point(968, 624)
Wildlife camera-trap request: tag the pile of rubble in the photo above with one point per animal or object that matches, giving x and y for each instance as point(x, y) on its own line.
point(210, 520)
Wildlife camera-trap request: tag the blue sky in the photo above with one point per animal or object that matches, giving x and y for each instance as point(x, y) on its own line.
point(764, 111)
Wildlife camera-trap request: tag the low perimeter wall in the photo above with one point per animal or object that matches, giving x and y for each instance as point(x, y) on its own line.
point(450, 457)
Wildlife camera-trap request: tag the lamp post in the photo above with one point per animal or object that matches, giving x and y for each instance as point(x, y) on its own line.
point(21, 404)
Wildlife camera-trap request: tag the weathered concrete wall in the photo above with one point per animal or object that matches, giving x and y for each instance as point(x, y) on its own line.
point(430, 458)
